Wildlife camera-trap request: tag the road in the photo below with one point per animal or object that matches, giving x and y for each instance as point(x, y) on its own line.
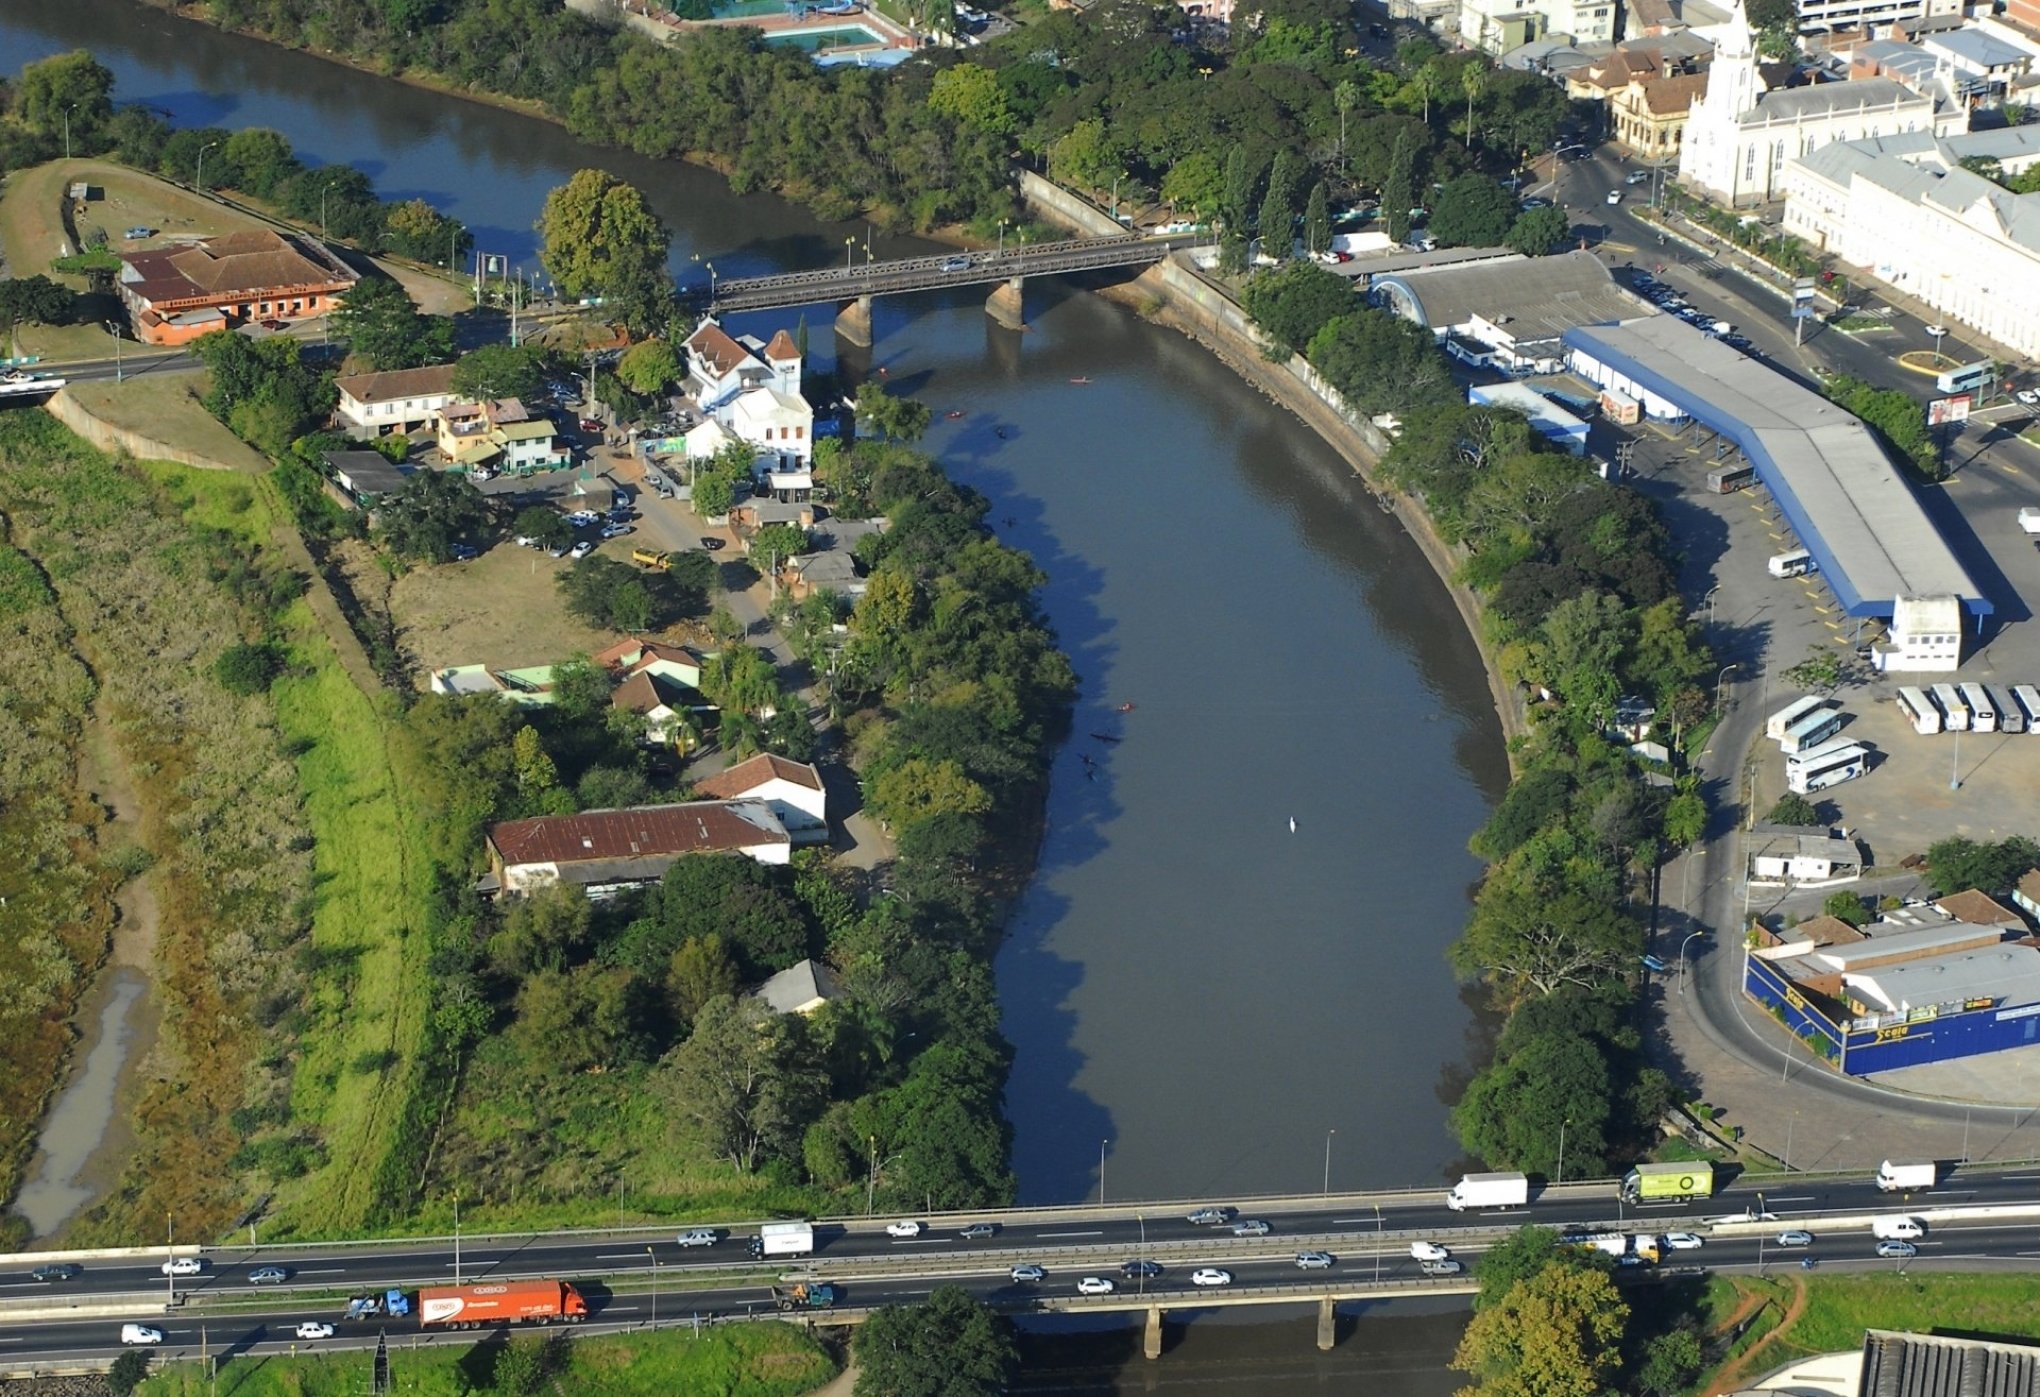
point(1368, 1234)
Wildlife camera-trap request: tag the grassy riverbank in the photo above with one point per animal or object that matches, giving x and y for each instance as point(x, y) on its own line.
point(738, 1360)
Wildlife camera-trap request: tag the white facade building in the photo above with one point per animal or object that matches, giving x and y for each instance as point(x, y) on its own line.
point(1820, 16)
point(1905, 211)
point(779, 425)
point(1501, 25)
point(1925, 635)
point(792, 789)
point(1739, 135)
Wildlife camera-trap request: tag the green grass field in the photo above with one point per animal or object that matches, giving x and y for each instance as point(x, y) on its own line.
point(740, 1360)
point(358, 1062)
point(1840, 1308)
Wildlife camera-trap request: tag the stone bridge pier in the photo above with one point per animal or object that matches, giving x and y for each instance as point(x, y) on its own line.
point(1004, 305)
point(853, 322)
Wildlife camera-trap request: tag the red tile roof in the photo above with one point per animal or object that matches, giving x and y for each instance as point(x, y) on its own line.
point(1979, 909)
point(782, 348)
point(722, 354)
point(751, 774)
point(651, 831)
point(427, 382)
point(234, 266)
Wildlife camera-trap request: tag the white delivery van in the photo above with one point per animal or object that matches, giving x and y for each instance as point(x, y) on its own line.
point(1797, 563)
point(1897, 1229)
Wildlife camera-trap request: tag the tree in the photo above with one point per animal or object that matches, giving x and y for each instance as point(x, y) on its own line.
point(600, 238)
point(1399, 189)
point(1581, 644)
point(1291, 304)
point(549, 930)
point(1557, 1334)
point(1540, 232)
point(1473, 80)
point(775, 543)
point(1317, 221)
point(1523, 1253)
point(894, 418)
point(1278, 207)
point(1380, 362)
point(543, 525)
point(499, 371)
point(127, 1372)
point(36, 300)
point(536, 773)
point(699, 971)
point(1553, 1091)
point(1957, 864)
point(432, 510)
point(416, 230)
point(744, 1085)
point(970, 93)
point(1527, 937)
point(72, 89)
point(950, 1345)
point(1793, 809)
point(1670, 1362)
point(1195, 183)
point(258, 160)
point(1472, 211)
point(648, 366)
point(386, 331)
point(1821, 669)
point(918, 789)
point(248, 669)
point(1847, 907)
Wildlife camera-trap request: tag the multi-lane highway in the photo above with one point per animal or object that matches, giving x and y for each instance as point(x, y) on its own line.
point(626, 1274)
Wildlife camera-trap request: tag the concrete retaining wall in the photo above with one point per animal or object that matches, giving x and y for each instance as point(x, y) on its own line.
point(110, 438)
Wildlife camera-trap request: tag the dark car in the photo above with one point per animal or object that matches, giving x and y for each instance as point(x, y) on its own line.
point(711, 542)
point(464, 552)
point(1133, 1270)
point(978, 1231)
point(57, 1271)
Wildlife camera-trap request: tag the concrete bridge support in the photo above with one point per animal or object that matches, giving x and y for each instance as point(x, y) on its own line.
point(1005, 307)
point(853, 322)
point(1151, 1342)
point(1327, 1325)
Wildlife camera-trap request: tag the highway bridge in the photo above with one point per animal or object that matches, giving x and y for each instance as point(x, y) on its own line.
point(1977, 1219)
point(855, 286)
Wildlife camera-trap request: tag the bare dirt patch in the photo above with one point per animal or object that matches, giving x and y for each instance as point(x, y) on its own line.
point(502, 609)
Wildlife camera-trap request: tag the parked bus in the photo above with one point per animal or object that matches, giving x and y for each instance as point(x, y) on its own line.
point(1812, 730)
point(1982, 712)
point(1967, 378)
point(1845, 763)
point(2028, 699)
point(1813, 756)
point(1776, 725)
point(2010, 717)
point(1919, 710)
point(1726, 480)
point(1797, 563)
point(1954, 712)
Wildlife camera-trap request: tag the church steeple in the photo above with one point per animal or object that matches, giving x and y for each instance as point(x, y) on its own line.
point(1733, 82)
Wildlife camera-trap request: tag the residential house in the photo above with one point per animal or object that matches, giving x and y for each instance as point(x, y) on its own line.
point(175, 294)
point(1987, 67)
point(719, 366)
point(1793, 856)
point(668, 707)
point(605, 851)
point(706, 440)
point(1649, 116)
point(801, 988)
point(524, 688)
point(823, 572)
point(485, 438)
point(363, 479)
point(793, 790)
point(675, 663)
point(401, 400)
point(780, 426)
point(754, 514)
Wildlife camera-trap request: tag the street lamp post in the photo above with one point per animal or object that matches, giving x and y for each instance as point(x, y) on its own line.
point(201, 164)
point(1710, 602)
point(1718, 680)
point(170, 1249)
point(1328, 1159)
point(655, 1286)
point(113, 328)
point(1561, 1148)
point(1002, 235)
point(848, 244)
point(456, 1236)
point(1702, 931)
point(67, 129)
point(1101, 1171)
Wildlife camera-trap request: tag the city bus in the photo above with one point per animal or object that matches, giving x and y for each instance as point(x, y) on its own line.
point(2010, 717)
point(1968, 378)
point(1775, 726)
point(1919, 710)
point(1982, 712)
point(1954, 712)
point(1812, 730)
point(2028, 698)
point(1845, 762)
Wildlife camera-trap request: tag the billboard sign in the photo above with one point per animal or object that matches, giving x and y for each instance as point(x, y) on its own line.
point(1943, 412)
point(1802, 290)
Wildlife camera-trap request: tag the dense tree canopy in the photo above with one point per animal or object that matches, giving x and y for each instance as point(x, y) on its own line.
point(385, 329)
point(950, 1345)
point(600, 238)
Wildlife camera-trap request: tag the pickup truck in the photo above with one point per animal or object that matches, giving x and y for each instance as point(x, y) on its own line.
point(2029, 519)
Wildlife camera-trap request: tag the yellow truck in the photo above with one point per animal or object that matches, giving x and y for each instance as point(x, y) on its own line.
point(649, 558)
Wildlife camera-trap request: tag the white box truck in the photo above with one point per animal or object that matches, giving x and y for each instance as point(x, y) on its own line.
point(1897, 1229)
point(1902, 1175)
point(1481, 1191)
point(786, 1239)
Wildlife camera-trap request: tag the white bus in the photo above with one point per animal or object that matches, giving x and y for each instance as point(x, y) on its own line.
point(1815, 756)
point(2010, 717)
point(2028, 698)
point(1845, 763)
point(1812, 730)
point(1954, 712)
point(1776, 725)
point(1982, 712)
point(1919, 710)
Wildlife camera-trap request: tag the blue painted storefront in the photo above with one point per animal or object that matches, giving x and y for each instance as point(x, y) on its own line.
point(1987, 1028)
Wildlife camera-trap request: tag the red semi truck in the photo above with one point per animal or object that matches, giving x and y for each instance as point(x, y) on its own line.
point(509, 1302)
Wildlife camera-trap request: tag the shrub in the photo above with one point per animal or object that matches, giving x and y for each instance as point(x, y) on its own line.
point(248, 669)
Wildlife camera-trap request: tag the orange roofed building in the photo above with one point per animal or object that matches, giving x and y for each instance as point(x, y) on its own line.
point(176, 294)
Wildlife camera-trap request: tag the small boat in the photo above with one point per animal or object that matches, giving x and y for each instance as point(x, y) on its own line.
point(1105, 737)
point(1125, 708)
point(953, 413)
point(1292, 824)
point(1080, 380)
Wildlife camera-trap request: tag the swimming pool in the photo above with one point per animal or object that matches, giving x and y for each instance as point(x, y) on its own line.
point(835, 36)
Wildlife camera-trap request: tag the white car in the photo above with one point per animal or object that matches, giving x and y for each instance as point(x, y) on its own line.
point(312, 1329)
point(1683, 1241)
point(1430, 1251)
point(2029, 396)
point(1094, 1285)
point(582, 549)
point(1210, 1275)
point(1614, 196)
point(184, 1266)
point(140, 1334)
point(903, 1229)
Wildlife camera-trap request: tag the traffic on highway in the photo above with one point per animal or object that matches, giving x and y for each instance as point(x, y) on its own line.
point(1292, 1250)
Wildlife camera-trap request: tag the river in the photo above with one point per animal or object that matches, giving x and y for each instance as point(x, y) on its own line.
point(1204, 998)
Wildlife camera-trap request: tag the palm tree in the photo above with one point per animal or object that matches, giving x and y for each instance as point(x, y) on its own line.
point(1345, 97)
point(1474, 78)
point(1430, 82)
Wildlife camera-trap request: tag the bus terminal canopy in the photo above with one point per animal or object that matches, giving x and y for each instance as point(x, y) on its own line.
point(1832, 480)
